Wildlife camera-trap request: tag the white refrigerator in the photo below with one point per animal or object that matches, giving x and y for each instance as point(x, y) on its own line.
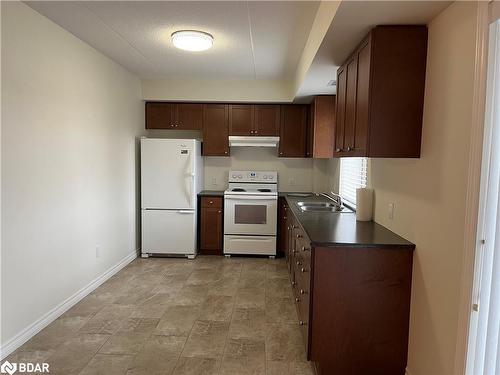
point(171, 178)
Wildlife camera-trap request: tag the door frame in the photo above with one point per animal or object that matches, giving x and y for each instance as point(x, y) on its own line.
point(473, 186)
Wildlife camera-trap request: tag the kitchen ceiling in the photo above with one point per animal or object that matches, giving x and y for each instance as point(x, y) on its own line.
point(260, 40)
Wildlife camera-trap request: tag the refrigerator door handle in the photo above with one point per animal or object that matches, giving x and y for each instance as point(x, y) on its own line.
point(185, 212)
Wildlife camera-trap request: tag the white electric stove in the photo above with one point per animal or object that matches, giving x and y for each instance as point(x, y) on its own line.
point(250, 213)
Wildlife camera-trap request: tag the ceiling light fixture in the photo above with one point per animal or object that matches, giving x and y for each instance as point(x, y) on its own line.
point(192, 40)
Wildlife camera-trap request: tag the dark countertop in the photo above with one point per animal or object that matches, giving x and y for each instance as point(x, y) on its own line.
point(211, 193)
point(342, 229)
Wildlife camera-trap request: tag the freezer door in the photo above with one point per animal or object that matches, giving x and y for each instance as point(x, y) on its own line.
point(169, 232)
point(168, 173)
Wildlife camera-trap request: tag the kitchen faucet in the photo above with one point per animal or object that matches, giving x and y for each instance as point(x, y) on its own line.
point(333, 197)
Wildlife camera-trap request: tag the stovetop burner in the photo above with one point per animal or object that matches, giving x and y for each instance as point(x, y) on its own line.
point(238, 189)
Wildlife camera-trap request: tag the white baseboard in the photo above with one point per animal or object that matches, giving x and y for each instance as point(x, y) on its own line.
point(60, 309)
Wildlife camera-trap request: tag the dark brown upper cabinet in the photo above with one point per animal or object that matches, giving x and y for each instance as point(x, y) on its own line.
point(380, 94)
point(250, 119)
point(293, 131)
point(321, 127)
point(267, 119)
point(215, 130)
point(241, 118)
point(180, 116)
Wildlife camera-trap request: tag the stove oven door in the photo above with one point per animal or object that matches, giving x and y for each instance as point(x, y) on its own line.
point(250, 214)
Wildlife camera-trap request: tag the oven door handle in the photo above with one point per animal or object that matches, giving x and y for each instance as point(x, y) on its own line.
point(250, 197)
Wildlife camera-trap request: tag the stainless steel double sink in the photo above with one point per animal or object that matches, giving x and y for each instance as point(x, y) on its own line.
point(321, 207)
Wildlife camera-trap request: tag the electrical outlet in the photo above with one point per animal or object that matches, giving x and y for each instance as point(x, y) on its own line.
point(391, 211)
point(97, 251)
point(214, 180)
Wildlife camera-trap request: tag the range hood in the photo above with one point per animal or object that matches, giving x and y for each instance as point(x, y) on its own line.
point(253, 141)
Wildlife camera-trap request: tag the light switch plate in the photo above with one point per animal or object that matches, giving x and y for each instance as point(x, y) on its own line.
point(391, 211)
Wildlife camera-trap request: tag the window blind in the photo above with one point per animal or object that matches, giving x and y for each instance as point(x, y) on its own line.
point(353, 172)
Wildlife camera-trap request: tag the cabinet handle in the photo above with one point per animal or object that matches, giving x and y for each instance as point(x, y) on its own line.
point(297, 299)
point(294, 283)
point(302, 291)
point(338, 150)
point(298, 263)
point(281, 153)
point(349, 148)
point(220, 211)
point(225, 152)
point(302, 269)
point(303, 248)
point(284, 217)
point(295, 226)
point(255, 132)
point(298, 236)
point(211, 202)
point(301, 323)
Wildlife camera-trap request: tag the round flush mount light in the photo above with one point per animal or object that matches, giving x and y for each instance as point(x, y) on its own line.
point(192, 40)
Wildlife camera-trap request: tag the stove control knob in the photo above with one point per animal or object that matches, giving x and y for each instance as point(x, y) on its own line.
point(240, 176)
point(234, 176)
point(271, 176)
point(265, 177)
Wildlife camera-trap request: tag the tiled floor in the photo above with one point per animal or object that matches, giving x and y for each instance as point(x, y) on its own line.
point(210, 315)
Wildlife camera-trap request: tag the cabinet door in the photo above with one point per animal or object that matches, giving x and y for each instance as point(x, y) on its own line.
point(241, 119)
point(322, 119)
point(188, 116)
point(362, 101)
point(215, 130)
point(159, 116)
point(293, 129)
point(267, 119)
point(310, 131)
point(350, 105)
point(340, 117)
point(211, 230)
point(283, 210)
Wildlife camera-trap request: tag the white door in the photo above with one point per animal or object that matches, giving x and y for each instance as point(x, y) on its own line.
point(169, 231)
point(167, 174)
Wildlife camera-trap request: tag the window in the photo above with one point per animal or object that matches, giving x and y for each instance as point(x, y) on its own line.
point(353, 173)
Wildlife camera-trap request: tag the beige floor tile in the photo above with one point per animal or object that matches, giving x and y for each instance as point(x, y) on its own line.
point(279, 288)
point(225, 285)
point(251, 298)
point(33, 356)
point(88, 306)
point(280, 310)
point(158, 356)
point(144, 326)
point(74, 354)
point(178, 320)
point(197, 366)
point(248, 323)
point(284, 343)
point(289, 368)
point(217, 308)
point(207, 339)
point(201, 276)
point(56, 333)
point(130, 338)
point(244, 356)
point(192, 295)
point(154, 307)
point(102, 364)
point(108, 320)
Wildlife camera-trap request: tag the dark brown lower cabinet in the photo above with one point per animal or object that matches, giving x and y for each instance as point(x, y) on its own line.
point(211, 219)
point(353, 303)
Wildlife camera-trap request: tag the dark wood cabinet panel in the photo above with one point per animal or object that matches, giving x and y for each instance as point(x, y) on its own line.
point(188, 116)
point(241, 119)
point(321, 125)
point(215, 130)
point(282, 226)
point(350, 104)
point(340, 109)
point(267, 119)
point(211, 219)
point(380, 94)
point(360, 140)
point(293, 130)
point(361, 327)
point(159, 115)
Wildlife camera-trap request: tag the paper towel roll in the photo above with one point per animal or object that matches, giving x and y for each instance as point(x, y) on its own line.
point(364, 204)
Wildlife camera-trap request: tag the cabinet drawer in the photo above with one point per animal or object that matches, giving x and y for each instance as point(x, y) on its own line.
point(207, 202)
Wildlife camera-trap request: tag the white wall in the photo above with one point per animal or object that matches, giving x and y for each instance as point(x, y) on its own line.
point(429, 193)
point(69, 121)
